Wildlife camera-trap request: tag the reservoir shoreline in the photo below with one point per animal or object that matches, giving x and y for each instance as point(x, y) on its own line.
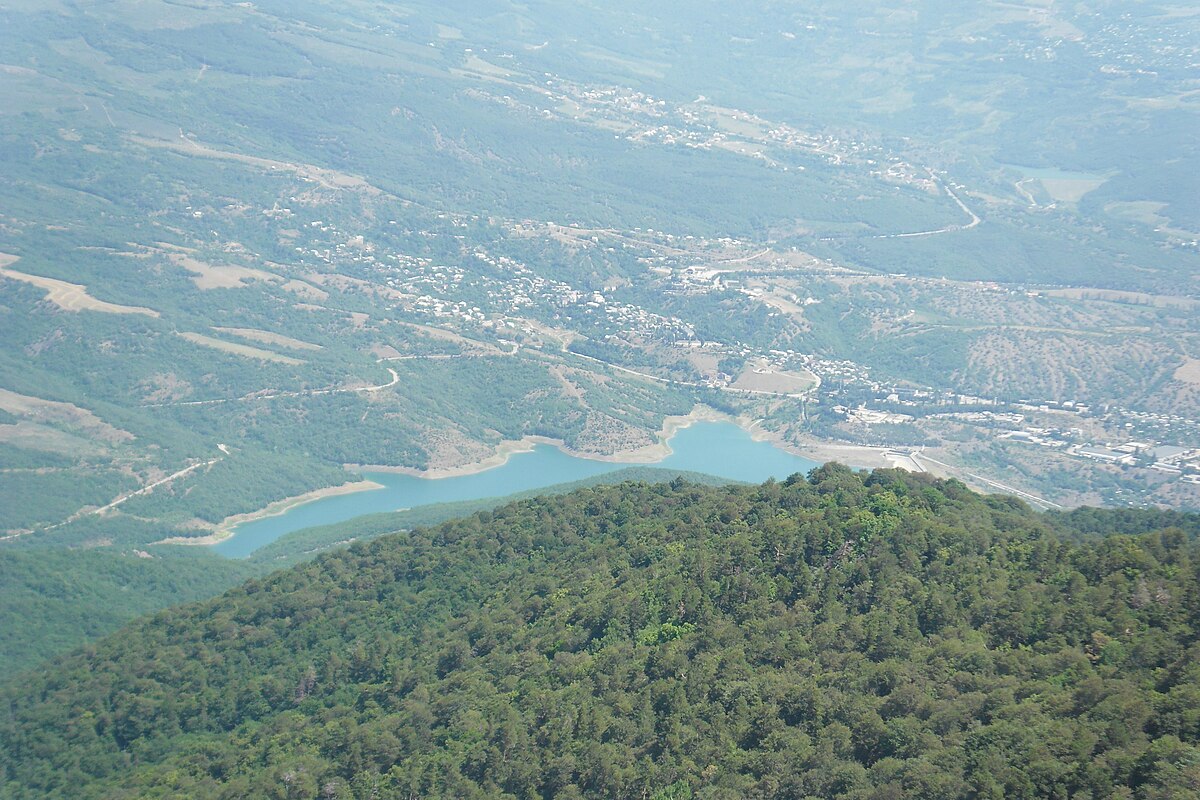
point(225, 528)
point(726, 447)
point(647, 454)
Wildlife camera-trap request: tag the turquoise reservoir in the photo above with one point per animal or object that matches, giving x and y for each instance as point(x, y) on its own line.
point(716, 448)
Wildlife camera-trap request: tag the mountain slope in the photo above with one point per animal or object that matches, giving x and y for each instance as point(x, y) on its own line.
point(846, 636)
point(53, 600)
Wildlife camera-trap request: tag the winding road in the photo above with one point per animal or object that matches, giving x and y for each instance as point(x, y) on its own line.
point(975, 220)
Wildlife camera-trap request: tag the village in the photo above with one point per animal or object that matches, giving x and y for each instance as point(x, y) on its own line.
point(486, 293)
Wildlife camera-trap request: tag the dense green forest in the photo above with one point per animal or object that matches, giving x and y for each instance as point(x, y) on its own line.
point(849, 635)
point(55, 599)
point(303, 544)
point(52, 600)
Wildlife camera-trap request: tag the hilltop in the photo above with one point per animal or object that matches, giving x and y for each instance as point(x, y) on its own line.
point(848, 635)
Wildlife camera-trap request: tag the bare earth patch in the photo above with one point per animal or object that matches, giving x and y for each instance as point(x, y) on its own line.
point(31, 436)
point(224, 276)
point(326, 178)
point(38, 410)
point(347, 284)
point(238, 349)
point(165, 387)
point(1189, 372)
point(1070, 190)
point(569, 388)
point(450, 446)
point(761, 378)
point(68, 296)
point(779, 302)
point(305, 290)
point(706, 363)
point(473, 345)
point(266, 337)
point(385, 351)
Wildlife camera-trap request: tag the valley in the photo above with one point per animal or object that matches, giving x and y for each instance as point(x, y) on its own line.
point(599, 400)
point(255, 253)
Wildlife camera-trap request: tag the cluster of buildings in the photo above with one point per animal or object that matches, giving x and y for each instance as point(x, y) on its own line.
point(485, 290)
point(634, 324)
point(1167, 458)
point(1158, 424)
point(832, 372)
point(906, 174)
point(1010, 421)
point(1144, 46)
point(485, 287)
point(1170, 459)
point(644, 118)
point(869, 416)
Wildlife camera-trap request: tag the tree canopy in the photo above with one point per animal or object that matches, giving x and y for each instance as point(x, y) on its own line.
point(841, 636)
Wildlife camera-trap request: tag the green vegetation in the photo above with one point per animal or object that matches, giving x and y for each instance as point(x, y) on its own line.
point(303, 544)
point(355, 233)
point(448, 190)
point(845, 636)
point(53, 600)
point(60, 494)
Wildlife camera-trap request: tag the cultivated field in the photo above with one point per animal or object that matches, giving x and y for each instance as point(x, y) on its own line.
point(41, 411)
point(68, 296)
point(267, 337)
point(238, 349)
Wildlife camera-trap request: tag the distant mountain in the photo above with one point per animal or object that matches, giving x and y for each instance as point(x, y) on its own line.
point(847, 636)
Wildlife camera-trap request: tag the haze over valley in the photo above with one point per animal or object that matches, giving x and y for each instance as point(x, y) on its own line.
point(259, 259)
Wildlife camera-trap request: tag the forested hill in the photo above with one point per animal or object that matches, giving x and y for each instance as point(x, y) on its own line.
point(848, 635)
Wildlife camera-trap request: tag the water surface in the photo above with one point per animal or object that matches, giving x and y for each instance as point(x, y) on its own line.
point(717, 448)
